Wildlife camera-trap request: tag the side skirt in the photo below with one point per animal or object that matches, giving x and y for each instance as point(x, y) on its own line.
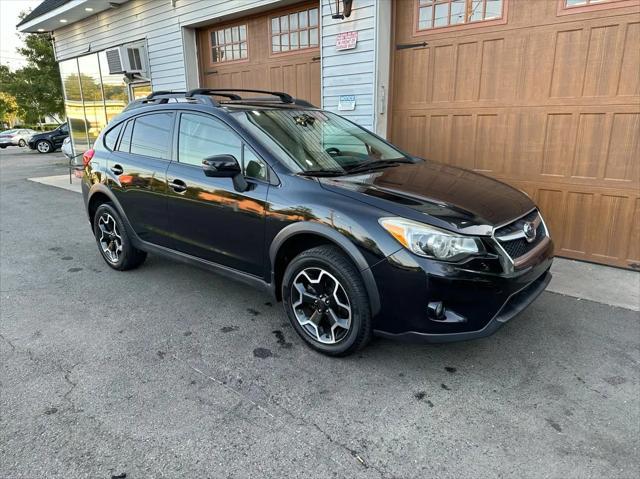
point(234, 274)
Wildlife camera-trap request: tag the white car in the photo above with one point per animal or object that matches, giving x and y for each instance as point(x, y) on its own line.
point(67, 148)
point(16, 137)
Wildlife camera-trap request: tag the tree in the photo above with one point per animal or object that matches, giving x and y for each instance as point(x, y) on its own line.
point(36, 87)
point(8, 109)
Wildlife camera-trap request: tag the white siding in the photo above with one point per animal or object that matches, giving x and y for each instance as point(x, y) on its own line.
point(350, 72)
point(155, 21)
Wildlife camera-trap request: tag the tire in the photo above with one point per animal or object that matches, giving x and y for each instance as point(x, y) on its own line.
point(316, 272)
point(44, 146)
point(113, 241)
point(3, 146)
point(22, 143)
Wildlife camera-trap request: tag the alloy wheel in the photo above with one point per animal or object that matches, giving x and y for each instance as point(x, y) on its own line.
point(110, 239)
point(321, 305)
point(43, 147)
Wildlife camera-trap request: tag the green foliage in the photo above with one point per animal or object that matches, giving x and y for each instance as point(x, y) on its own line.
point(36, 87)
point(8, 109)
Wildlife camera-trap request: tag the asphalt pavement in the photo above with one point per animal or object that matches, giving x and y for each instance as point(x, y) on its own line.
point(169, 372)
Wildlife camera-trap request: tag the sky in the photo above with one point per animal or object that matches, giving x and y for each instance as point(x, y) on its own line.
point(9, 40)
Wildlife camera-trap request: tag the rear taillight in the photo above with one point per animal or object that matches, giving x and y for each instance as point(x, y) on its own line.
point(88, 155)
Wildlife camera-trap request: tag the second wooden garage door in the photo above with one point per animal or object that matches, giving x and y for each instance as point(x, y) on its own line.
point(276, 51)
point(538, 95)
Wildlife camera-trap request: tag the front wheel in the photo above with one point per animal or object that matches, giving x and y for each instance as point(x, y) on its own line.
point(326, 301)
point(22, 143)
point(113, 241)
point(43, 146)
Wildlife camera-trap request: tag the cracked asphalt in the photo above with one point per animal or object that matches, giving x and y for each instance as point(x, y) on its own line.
point(169, 372)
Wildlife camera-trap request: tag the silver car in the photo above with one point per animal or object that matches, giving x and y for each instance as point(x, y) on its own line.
point(16, 137)
point(67, 148)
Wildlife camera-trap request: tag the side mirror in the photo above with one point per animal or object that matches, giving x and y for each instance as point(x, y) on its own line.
point(221, 166)
point(225, 166)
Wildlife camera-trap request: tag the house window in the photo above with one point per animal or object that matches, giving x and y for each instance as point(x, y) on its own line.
point(566, 7)
point(295, 31)
point(446, 13)
point(229, 44)
point(582, 3)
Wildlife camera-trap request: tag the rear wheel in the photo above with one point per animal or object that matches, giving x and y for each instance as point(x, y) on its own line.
point(22, 143)
point(113, 241)
point(326, 301)
point(43, 146)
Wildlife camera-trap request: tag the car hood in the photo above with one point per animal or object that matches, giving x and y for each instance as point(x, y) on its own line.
point(437, 194)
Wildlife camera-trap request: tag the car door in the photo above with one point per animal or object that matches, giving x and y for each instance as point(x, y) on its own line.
point(137, 169)
point(59, 134)
point(209, 217)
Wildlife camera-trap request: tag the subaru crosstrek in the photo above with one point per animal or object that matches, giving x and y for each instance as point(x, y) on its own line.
point(353, 235)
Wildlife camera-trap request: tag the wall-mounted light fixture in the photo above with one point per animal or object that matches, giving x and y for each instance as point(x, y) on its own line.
point(335, 6)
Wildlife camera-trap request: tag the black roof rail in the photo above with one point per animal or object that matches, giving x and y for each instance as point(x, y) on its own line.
point(204, 99)
point(300, 102)
point(174, 94)
point(204, 95)
point(284, 97)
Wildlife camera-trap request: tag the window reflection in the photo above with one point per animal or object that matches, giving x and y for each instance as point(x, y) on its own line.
point(91, 84)
point(73, 104)
point(114, 87)
point(201, 137)
point(92, 97)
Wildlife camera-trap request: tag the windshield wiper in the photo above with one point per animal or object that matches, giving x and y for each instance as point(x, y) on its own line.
point(373, 164)
point(321, 173)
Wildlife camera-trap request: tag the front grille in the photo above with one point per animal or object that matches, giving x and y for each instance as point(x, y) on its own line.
point(519, 246)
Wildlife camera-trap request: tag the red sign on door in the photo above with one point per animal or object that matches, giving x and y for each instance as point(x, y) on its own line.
point(346, 40)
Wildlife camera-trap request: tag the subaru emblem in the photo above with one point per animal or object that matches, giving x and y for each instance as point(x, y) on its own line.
point(529, 230)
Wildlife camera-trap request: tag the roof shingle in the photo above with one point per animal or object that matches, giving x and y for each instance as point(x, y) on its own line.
point(45, 7)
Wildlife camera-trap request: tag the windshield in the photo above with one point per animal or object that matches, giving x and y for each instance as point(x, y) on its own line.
point(318, 141)
point(7, 132)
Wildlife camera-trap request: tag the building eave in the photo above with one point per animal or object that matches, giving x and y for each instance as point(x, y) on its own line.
point(70, 12)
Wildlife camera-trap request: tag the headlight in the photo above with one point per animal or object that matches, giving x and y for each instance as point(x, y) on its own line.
point(425, 240)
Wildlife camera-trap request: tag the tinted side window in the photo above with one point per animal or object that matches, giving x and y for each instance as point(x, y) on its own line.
point(152, 135)
point(111, 137)
point(201, 137)
point(64, 129)
point(253, 166)
point(125, 142)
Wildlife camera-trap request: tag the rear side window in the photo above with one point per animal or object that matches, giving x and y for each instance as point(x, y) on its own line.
point(152, 135)
point(125, 142)
point(111, 137)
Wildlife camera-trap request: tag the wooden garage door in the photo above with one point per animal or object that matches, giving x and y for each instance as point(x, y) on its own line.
point(542, 95)
point(277, 51)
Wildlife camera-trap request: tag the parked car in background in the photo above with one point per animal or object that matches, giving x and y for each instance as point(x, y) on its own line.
point(16, 137)
point(353, 235)
point(67, 148)
point(49, 141)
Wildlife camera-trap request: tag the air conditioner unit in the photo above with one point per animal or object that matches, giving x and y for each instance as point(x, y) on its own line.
point(127, 59)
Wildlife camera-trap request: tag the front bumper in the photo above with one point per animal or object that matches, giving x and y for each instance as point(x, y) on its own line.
point(516, 303)
point(476, 303)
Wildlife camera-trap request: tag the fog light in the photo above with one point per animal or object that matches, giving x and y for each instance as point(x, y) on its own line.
point(435, 310)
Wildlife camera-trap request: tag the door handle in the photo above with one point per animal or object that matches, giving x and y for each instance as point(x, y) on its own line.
point(178, 186)
point(117, 170)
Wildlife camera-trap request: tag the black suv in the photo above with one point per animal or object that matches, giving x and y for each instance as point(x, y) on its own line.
point(353, 235)
point(49, 141)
